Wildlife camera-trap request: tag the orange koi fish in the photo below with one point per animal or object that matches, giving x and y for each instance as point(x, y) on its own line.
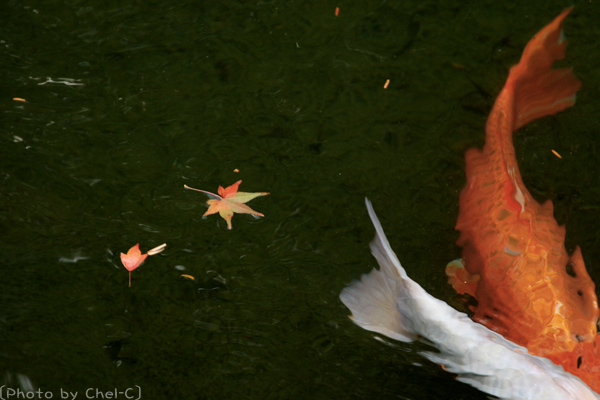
point(514, 261)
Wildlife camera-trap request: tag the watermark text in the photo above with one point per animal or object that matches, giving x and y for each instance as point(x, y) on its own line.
point(132, 393)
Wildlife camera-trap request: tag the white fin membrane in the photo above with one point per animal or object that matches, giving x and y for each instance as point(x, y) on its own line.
point(388, 302)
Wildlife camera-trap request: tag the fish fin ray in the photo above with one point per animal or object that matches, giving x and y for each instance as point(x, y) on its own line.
point(373, 299)
point(539, 89)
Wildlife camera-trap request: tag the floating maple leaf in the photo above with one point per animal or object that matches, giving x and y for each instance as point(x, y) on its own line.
point(229, 201)
point(134, 257)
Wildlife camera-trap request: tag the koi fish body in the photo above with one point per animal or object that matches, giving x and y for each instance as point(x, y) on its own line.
point(514, 261)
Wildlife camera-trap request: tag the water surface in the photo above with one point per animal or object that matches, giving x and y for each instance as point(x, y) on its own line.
point(127, 102)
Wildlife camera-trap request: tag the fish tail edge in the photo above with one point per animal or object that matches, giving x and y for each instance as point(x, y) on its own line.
point(539, 89)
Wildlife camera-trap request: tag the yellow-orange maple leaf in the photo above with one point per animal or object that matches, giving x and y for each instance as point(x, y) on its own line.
point(229, 201)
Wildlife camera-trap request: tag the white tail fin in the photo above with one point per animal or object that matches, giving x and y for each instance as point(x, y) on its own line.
point(387, 301)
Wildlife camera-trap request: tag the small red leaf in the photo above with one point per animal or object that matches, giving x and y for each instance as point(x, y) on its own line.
point(134, 258)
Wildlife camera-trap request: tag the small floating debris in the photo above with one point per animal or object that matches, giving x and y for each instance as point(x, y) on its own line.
point(157, 249)
point(556, 154)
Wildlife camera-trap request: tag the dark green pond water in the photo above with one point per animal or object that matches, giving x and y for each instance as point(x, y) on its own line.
point(127, 101)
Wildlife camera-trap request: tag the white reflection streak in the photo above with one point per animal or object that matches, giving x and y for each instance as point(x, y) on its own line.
point(64, 81)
